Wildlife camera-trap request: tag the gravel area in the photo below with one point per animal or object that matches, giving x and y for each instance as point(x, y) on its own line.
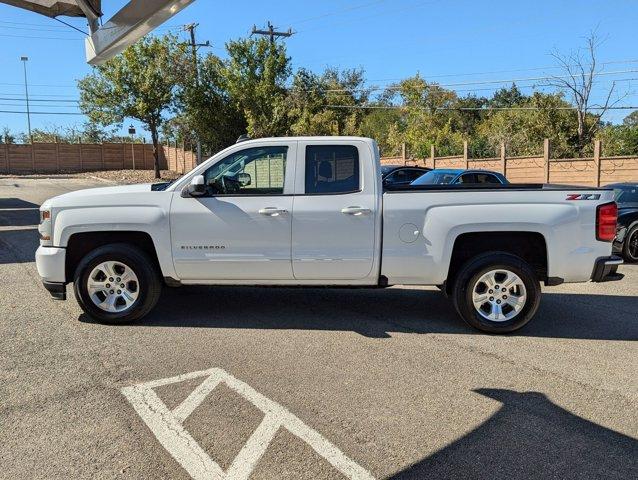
point(131, 176)
point(115, 176)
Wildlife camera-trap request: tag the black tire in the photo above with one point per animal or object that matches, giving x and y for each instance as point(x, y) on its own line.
point(473, 270)
point(149, 286)
point(630, 245)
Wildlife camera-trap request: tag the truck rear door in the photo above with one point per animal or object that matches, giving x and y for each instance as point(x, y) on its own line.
point(335, 211)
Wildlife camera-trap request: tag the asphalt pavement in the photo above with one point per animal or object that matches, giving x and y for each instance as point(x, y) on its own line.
point(308, 383)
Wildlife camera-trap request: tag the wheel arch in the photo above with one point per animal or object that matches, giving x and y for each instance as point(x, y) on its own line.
point(80, 244)
point(529, 245)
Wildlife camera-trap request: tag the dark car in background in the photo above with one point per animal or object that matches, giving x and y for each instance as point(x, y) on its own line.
point(626, 242)
point(401, 174)
point(451, 176)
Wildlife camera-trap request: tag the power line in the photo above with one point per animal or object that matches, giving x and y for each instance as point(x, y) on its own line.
point(339, 12)
point(38, 38)
point(36, 95)
point(30, 24)
point(69, 25)
point(387, 12)
point(482, 109)
point(29, 29)
point(466, 74)
point(41, 113)
point(480, 82)
point(32, 103)
point(40, 85)
point(22, 99)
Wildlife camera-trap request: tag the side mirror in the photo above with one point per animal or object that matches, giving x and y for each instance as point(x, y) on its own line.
point(244, 179)
point(197, 187)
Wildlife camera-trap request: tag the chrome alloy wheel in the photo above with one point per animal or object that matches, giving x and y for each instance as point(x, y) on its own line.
point(113, 286)
point(499, 295)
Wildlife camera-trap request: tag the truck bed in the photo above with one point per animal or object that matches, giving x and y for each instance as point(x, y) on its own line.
point(422, 223)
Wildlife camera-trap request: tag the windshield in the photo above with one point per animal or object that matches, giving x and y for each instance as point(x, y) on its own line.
point(435, 178)
point(626, 194)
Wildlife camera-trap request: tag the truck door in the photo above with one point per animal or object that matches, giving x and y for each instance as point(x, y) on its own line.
point(241, 229)
point(334, 212)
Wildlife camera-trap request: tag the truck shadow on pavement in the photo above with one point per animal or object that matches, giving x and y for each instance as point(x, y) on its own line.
point(18, 245)
point(17, 212)
point(379, 313)
point(531, 437)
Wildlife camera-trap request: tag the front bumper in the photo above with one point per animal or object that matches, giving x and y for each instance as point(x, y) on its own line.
point(606, 269)
point(51, 265)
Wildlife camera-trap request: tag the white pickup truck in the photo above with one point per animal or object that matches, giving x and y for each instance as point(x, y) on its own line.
point(312, 211)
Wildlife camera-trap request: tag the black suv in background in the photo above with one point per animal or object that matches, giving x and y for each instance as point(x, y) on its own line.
point(401, 174)
point(626, 242)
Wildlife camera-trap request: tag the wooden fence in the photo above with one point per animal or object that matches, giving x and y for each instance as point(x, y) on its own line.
point(588, 171)
point(77, 157)
point(67, 158)
point(87, 157)
point(178, 158)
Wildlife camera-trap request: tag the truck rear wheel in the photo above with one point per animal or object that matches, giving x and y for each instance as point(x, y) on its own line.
point(496, 292)
point(117, 283)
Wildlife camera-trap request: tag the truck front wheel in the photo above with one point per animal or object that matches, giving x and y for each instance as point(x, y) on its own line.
point(496, 292)
point(117, 283)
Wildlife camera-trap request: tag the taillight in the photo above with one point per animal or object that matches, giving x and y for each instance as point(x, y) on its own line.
point(606, 217)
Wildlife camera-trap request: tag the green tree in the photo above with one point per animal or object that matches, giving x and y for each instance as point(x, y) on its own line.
point(522, 130)
point(204, 108)
point(382, 124)
point(631, 120)
point(45, 135)
point(139, 83)
point(6, 136)
point(619, 139)
point(507, 97)
point(255, 77)
point(92, 132)
point(428, 118)
point(327, 104)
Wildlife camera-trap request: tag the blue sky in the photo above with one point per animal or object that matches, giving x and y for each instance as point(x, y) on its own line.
point(460, 43)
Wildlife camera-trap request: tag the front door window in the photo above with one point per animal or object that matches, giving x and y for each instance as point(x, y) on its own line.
point(254, 171)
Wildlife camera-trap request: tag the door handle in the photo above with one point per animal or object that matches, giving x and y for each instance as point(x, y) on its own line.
point(356, 211)
point(273, 211)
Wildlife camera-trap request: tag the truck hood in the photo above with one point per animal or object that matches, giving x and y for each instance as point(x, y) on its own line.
point(89, 195)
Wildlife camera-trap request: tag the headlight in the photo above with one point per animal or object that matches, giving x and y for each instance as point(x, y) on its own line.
point(45, 226)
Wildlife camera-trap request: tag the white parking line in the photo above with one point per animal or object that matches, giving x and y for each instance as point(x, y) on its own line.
point(167, 427)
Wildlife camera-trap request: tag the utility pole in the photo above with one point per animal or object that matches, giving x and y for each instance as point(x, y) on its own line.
point(26, 92)
point(131, 131)
point(271, 33)
point(194, 45)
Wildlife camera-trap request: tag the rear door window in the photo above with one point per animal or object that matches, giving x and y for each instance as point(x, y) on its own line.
point(467, 178)
point(332, 169)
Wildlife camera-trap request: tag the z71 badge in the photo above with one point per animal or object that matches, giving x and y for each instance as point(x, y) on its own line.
point(583, 196)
